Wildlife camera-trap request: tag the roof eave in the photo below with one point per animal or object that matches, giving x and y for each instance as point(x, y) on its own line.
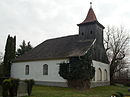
point(87, 23)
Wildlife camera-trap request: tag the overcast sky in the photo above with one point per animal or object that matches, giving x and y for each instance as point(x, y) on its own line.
point(38, 20)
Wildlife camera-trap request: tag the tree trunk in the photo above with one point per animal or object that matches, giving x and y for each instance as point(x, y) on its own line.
point(79, 84)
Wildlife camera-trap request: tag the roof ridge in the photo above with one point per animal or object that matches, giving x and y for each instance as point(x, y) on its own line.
point(61, 37)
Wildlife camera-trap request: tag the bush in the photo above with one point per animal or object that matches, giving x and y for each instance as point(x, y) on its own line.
point(14, 87)
point(5, 87)
point(79, 84)
point(30, 84)
point(2, 79)
point(78, 72)
point(10, 87)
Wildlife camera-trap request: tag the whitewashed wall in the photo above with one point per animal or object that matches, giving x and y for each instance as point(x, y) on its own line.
point(36, 70)
point(102, 66)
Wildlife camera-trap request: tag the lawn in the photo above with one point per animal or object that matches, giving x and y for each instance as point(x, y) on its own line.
point(106, 91)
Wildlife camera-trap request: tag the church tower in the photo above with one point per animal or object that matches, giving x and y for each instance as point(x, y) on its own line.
point(90, 28)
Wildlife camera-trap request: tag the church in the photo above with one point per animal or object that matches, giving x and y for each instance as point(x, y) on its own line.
point(42, 62)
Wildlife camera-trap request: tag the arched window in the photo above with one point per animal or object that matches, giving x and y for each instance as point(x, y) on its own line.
point(105, 75)
point(82, 33)
point(45, 69)
point(94, 75)
point(27, 70)
point(93, 78)
point(91, 32)
point(99, 73)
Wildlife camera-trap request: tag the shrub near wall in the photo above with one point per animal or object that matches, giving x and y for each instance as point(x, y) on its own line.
point(30, 84)
point(78, 72)
point(14, 87)
point(10, 87)
point(5, 87)
point(1, 79)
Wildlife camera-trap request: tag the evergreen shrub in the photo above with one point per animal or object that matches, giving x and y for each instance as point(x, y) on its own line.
point(14, 87)
point(5, 87)
point(10, 87)
point(30, 84)
point(78, 72)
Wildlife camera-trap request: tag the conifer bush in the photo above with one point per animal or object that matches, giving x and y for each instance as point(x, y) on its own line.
point(5, 87)
point(10, 87)
point(30, 84)
point(78, 72)
point(14, 87)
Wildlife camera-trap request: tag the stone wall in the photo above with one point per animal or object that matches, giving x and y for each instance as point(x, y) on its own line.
point(96, 84)
point(64, 84)
point(46, 83)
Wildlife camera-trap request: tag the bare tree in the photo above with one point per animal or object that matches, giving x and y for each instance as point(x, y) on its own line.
point(116, 43)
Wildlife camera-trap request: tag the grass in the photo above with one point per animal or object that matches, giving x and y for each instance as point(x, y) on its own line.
point(106, 91)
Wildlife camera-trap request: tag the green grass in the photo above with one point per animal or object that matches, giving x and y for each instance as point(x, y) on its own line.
point(106, 91)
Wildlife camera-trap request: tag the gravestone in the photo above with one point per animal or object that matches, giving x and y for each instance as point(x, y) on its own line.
point(22, 89)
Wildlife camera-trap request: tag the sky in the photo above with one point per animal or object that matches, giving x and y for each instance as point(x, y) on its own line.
point(39, 20)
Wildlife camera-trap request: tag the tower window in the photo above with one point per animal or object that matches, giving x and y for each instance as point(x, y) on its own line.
point(91, 32)
point(82, 33)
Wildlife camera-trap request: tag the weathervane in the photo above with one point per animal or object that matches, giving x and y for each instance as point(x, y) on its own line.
point(91, 4)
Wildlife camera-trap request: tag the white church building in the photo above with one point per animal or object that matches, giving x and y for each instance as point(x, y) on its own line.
point(42, 62)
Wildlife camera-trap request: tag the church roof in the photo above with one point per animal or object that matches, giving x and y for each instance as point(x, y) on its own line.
point(63, 47)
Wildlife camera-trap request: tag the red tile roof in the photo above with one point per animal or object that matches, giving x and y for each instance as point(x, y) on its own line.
point(90, 16)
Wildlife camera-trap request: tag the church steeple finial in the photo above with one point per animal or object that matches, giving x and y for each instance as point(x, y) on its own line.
point(90, 16)
point(90, 4)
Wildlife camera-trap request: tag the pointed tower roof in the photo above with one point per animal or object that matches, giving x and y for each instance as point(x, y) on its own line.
point(90, 16)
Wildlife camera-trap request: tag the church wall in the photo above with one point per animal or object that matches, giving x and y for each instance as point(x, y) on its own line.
point(105, 78)
point(36, 70)
point(53, 78)
point(103, 67)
